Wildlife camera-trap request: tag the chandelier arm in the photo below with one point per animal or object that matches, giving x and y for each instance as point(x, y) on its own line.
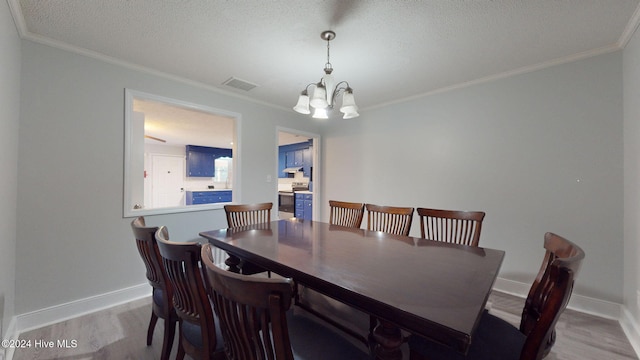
point(338, 90)
point(306, 89)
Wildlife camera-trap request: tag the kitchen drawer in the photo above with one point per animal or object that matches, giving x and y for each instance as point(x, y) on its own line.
point(224, 196)
point(203, 200)
point(208, 197)
point(202, 193)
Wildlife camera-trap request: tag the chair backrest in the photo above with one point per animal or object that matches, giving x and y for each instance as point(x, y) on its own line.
point(459, 227)
point(182, 263)
point(252, 312)
point(347, 214)
point(549, 295)
point(389, 219)
point(148, 249)
point(249, 214)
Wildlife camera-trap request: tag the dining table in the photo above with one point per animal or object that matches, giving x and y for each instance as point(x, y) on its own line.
point(427, 288)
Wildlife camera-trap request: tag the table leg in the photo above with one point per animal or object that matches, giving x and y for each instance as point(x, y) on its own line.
point(232, 262)
point(388, 340)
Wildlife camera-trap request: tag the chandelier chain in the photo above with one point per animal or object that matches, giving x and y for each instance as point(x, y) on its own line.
point(328, 64)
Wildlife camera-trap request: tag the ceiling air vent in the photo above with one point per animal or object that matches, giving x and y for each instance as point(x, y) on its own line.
point(234, 82)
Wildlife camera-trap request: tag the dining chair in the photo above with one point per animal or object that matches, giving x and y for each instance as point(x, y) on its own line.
point(257, 322)
point(248, 214)
point(243, 215)
point(200, 335)
point(162, 292)
point(389, 219)
point(347, 214)
point(548, 296)
point(459, 227)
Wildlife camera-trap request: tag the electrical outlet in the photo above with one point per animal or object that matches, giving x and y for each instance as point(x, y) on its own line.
point(269, 178)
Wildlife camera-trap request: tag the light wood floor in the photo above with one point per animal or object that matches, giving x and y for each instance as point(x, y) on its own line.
point(120, 333)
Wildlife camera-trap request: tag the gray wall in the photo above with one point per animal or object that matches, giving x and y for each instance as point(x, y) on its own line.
point(73, 241)
point(9, 116)
point(632, 175)
point(537, 152)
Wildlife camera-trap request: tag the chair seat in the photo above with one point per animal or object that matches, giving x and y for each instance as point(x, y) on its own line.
point(193, 334)
point(158, 296)
point(311, 340)
point(494, 339)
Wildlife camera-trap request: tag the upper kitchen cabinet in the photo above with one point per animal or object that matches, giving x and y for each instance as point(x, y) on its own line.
point(201, 160)
point(295, 155)
point(307, 162)
point(294, 158)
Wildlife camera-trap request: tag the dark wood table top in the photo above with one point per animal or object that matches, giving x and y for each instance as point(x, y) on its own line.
point(429, 288)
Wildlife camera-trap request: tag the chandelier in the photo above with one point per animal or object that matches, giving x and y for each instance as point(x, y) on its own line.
point(326, 91)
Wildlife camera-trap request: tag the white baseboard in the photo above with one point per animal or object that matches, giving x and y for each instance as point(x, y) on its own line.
point(54, 314)
point(585, 304)
point(631, 329)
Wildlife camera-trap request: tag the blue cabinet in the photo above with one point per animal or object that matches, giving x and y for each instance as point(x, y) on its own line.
point(307, 162)
point(295, 155)
point(201, 160)
point(208, 197)
point(304, 206)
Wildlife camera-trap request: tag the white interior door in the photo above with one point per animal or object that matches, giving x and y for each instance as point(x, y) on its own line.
point(168, 180)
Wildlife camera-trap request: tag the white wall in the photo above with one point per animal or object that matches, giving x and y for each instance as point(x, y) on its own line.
point(632, 176)
point(537, 152)
point(9, 116)
point(72, 239)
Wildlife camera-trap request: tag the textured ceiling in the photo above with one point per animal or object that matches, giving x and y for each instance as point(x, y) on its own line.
point(387, 50)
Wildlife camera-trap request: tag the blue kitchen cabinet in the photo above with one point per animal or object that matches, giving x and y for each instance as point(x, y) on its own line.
point(208, 197)
point(294, 158)
point(304, 206)
point(295, 155)
point(201, 160)
point(307, 162)
point(282, 164)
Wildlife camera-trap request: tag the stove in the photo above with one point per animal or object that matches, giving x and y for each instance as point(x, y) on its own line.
point(286, 199)
point(299, 186)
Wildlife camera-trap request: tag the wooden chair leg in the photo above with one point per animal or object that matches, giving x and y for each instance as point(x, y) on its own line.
point(152, 326)
point(169, 335)
point(373, 322)
point(180, 355)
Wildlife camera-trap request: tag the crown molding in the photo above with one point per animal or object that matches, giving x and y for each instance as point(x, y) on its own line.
point(506, 74)
point(630, 29)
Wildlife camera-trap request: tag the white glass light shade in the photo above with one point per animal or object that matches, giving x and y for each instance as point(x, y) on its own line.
point(319, 98)
point(351, 115)
point(348, 103)
point(320, 113)
point(349, 107)
point(302, 106)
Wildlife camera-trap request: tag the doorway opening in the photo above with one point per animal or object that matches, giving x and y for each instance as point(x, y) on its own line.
point(297, 174)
